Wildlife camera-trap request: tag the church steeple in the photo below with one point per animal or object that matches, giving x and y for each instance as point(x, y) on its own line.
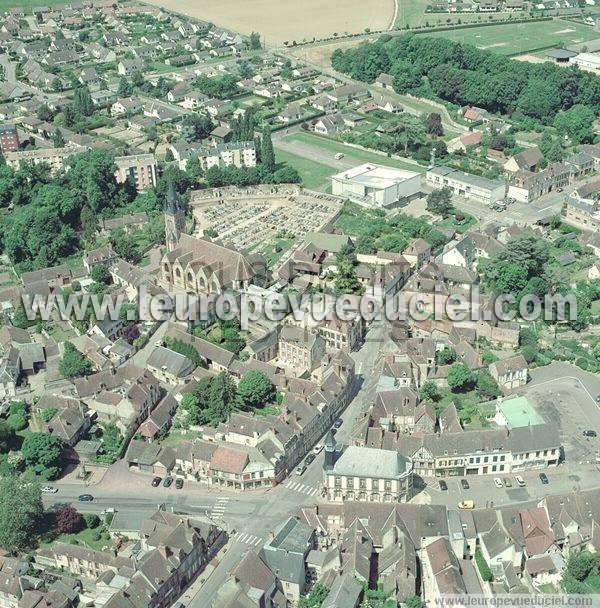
point(330, 451)
point(174, 217)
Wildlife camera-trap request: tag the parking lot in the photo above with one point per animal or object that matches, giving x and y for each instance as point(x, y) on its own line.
point(566, 396)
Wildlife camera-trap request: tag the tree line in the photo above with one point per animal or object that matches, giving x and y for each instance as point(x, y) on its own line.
point(463, 74)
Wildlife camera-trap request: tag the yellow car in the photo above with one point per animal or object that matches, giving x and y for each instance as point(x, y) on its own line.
point(466, 504)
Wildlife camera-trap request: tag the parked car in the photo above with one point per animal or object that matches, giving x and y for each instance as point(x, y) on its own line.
point(310, 458)
point(156, 482)
point(466, 504)
point(443, 485)
point(179, 483)
point(85, 498)
point(465, 484)
point(544, 479)
point(520, 481)
point(167, 481)
point(338, 423)
point(49, 490)
point(590, 433)
point(498, 482)
point(300, 470)
point(318, 448)
point(339, 155)
point(507, 483)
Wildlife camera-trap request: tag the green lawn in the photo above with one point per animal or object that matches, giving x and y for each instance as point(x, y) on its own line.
point(412, 12)
point(84, 538)
point(450, 222)
point(274, 251)
point(518, 38)
point(358, 156)
point(314, 175)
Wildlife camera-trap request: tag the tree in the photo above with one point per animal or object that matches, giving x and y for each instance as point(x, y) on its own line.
point(315, 598)
point(429, 391)
point(222, 399)
point(460, 378)
point(100, 274)
point(131, 333)
point(254, 41)
point(21, 512)
point(576, 123)
point(58, 141)
point(183, 348)
point(255, 390)
point(68, 520)
point(195, 127)
point(43, 453)
point(73, 363)
point(482, 566)
point(267, 153)
point(580, 565)
point(447, 356)
point(440, 201)
point(91, 520)
point(82, 101)
point(487, 387)
point(414, 601)
point(125, 88)
point(18, 418)
point(7, 437)
point(434, 124)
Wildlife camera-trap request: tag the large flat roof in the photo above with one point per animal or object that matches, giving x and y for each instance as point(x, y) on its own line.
point(375, 176)
point(519, 412)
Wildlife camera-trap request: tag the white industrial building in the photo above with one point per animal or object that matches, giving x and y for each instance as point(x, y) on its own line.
point(466, 185)
point(587, 61)
point(375, 185)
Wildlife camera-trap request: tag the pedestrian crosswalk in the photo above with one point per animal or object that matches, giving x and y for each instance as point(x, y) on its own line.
point(298, 487)
point(247, 539)
point(219, 507)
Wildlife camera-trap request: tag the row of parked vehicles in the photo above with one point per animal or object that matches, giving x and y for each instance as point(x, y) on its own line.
point(167, 482)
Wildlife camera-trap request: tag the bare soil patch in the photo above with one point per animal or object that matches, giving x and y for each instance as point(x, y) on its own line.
point(278, 21)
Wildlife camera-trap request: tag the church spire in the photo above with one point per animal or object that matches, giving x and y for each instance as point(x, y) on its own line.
point(171, 202)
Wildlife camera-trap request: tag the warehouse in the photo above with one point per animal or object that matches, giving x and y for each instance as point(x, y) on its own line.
point(376, 186)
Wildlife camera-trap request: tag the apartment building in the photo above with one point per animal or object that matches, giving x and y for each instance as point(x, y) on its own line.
point(238, 154)
point(463, 184)
point(53, 157)
point(9, 138)
point(141, 167)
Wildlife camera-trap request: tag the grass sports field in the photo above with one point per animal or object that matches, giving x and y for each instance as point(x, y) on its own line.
point(412, 13)
point(519, 38)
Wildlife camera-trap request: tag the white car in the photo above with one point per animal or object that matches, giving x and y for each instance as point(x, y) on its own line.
point(49, 490)
point(318, 448)
point(520, 481)
point(498, 482)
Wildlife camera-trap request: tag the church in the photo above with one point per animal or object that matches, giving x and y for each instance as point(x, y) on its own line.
point(196, 265)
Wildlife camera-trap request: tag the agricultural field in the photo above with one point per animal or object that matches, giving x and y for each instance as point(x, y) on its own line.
point(520, 38)
point(280, 22)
